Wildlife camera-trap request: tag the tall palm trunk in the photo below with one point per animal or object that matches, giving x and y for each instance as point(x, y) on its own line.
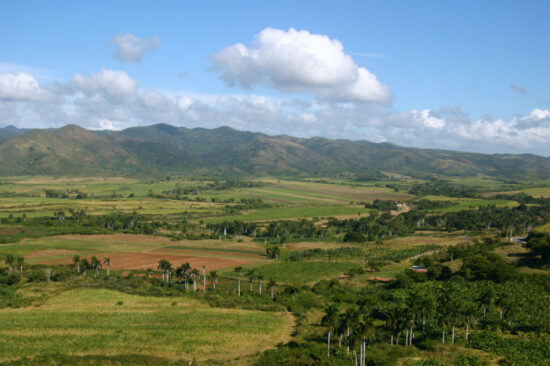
point(443, 336)
point(239, 289)
point(328, 343)
point(453, 336)
point(467, 330)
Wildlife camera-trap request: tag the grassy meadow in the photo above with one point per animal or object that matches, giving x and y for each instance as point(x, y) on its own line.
point(105, 322)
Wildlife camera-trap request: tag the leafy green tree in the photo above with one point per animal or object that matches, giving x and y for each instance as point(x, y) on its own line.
point(273, 252)
point(539, 243)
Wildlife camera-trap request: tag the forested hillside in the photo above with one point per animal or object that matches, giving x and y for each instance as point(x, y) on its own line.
point(163, 148)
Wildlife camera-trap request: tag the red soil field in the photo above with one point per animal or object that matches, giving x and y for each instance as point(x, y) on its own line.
point(150, 260)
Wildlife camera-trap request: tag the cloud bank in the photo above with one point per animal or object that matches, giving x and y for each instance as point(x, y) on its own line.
point(112, 99)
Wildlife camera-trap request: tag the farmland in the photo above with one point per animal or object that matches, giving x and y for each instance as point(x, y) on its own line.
point(178, 270)
point(102, 322)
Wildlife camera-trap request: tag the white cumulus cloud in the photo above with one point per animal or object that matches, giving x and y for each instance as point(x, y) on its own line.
point(22, 86)
point(299, 61)
point(130, 48)
point(113, 83)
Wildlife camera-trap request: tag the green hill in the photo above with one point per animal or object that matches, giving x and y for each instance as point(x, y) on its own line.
point(164, 148)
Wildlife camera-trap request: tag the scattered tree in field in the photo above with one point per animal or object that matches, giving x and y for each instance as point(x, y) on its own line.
point(183, 272)
point(48, 272)
point(107, 261)
point(96, 265)
point(19, 261)
point(213, 277)
point(195, 275)
point(251, 276)
point(271, 287)
point(204, 279)
point(239, 272)
point(76, 262)
point(273, 252)
point(84, 266)
point(10, 261)
point(330, 320)
point(260, 278)
point(166, 268)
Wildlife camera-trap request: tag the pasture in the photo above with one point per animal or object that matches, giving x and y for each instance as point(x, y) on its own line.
point(109, 323)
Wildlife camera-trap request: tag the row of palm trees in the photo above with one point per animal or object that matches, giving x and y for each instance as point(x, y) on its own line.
point(188, 275)
point(252, 276)
point(82, 265)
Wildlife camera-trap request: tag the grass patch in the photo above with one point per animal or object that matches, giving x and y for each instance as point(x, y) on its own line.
point(104, 322)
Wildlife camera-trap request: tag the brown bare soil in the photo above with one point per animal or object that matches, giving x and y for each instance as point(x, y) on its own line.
point(49, 253)
point(150, 260)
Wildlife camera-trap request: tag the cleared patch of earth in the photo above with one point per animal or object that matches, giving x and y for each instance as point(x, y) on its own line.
point(150, 260)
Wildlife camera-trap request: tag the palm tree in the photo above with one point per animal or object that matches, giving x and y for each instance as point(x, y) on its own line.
point(260, 280)
point(76, 262)
point(486, 299)
point(204, 279)
point(365, 330)
point(213, 277)
point(239, 272)
point(84, 266)
point(195, 274)
point(19, 262)
point(48, 272)
point(166, 268)
point(251, 277)
point(330, 320)
point(108, 262)
point(96, 265)
point(183, 272)
point(10, 260)
point(271, 286)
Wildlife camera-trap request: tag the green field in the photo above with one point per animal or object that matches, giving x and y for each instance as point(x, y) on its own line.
point(292, 213)
point(468, 203)
point(109, 323)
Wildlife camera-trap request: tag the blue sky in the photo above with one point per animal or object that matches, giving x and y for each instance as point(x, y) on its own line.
point(466, 75)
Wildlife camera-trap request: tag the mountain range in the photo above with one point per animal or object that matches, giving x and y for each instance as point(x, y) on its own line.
point(162, 148)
